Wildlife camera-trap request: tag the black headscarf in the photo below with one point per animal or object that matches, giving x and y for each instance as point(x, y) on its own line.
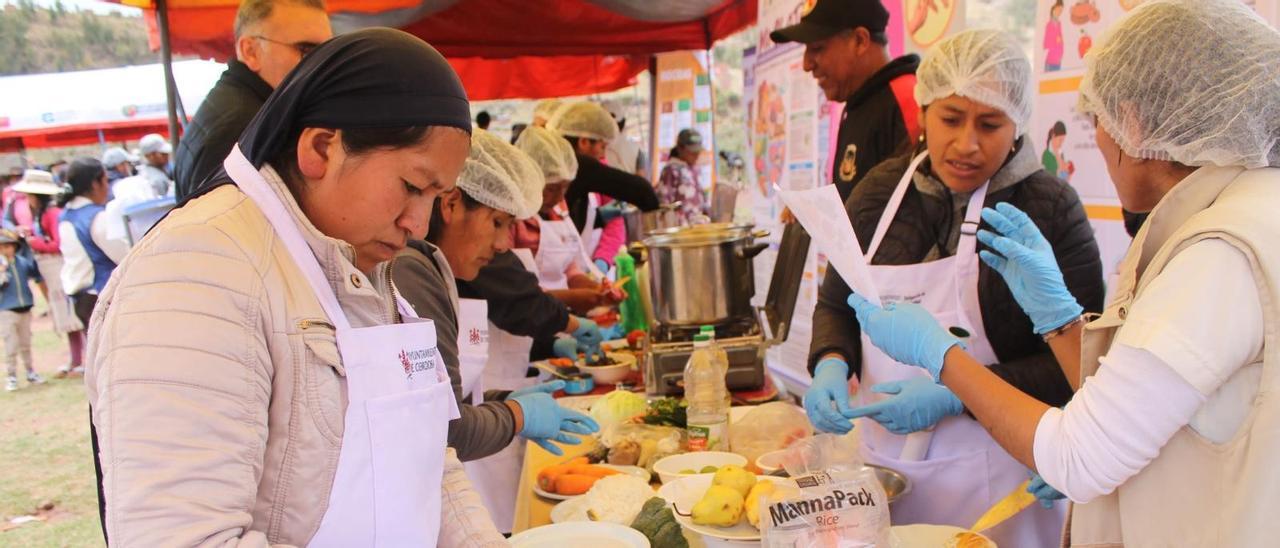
point(371, 78)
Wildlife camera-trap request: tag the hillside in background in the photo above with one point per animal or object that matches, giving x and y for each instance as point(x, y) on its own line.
point(35, 39)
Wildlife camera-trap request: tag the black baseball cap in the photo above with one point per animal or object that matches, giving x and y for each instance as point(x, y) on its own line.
point(829, 17)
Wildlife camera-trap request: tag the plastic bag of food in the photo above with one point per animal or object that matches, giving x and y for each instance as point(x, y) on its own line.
point(640, 445)
point(769, 427)
point(836, 502)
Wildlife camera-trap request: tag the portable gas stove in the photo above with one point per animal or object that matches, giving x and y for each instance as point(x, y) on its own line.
point(667, 350)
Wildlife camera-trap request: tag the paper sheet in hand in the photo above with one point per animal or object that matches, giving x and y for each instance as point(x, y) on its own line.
point(821, 212)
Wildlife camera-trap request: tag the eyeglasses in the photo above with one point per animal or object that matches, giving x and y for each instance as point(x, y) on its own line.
point(303, 48)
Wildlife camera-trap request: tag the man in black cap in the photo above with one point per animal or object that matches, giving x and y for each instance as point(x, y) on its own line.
point(846, 50)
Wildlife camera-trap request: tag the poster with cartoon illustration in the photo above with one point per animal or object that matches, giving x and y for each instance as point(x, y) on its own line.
point(925, 22)
point(1067, 29)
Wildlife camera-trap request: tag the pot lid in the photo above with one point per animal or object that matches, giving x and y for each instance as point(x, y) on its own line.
point(698, 235)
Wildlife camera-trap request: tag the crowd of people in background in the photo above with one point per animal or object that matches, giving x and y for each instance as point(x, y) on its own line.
point(63, 229)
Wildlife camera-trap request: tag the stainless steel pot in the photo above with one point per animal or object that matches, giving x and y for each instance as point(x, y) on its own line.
point(642, 223)
point(702, 274)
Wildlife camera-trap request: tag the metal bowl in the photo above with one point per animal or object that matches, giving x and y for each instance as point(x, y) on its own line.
point(895, 484)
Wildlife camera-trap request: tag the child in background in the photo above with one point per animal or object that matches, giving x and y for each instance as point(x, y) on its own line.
point(16, 301)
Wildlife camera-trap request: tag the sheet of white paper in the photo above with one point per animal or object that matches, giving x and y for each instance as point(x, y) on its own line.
point(822, 214)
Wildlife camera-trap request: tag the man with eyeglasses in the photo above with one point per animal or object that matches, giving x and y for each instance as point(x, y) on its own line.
point(271, 37)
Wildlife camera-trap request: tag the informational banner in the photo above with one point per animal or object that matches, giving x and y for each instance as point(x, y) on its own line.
point(683, 98)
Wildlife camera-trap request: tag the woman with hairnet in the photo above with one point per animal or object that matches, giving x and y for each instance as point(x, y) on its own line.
point(549, 241)
point(468, 226)
point(589, 128)
point(1172, 440)
point(916, 216)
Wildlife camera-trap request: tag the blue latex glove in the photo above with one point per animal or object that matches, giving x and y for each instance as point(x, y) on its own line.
point(603, 265)
point(545, 421)
point(830, 386)
point(612, 332)
point(610, 211)
point(1043, 491)
point(906, 332)
point(1027, 264)
point(918, 404)
point(546, 388)
point(589, 338)
point(565, 348)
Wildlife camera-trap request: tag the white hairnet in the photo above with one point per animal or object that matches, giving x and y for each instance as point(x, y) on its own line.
point(1190, 81)
point(498, 175)
point(983, 65)
point(551, 152)
point(547, 108)
point(585, 119)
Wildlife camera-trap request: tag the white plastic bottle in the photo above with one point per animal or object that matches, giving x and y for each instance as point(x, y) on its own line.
point(722, 358)
point(708, 398)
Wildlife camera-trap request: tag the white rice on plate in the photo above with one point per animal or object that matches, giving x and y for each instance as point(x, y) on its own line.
point(618, 498)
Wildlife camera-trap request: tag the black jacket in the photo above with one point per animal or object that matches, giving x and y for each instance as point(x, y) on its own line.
point(517, 304)
point(594, 176)
point(217, 125)
point(872, 127)
point(919, 227)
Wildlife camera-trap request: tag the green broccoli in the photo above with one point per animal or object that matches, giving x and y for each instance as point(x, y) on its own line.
point(659, 525)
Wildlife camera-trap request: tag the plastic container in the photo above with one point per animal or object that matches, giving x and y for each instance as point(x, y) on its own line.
point(630, 309)
point(708, 398)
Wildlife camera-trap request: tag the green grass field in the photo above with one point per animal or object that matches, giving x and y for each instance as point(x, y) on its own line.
point(45, 455)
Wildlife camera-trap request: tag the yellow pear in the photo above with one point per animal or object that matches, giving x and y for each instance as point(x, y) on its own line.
point(720, 506)
point(761, 490)
point(735, 477)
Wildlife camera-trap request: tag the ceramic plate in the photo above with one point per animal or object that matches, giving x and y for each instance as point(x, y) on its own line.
point(630, 470)
point(686, 491)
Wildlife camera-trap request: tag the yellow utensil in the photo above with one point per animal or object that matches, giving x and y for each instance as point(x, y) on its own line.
point(1008, 507)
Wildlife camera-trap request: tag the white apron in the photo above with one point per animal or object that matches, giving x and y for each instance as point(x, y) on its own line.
point(957, 471)
point(590, 234)
point(497, 476)
point(559, 247)
point(473, 346)
point(386, 491)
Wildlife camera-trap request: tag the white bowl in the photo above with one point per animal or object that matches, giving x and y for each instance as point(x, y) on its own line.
point(596, 534)
point(611, 374)
point(770, 462)
point(926, 536)
point(668, 468)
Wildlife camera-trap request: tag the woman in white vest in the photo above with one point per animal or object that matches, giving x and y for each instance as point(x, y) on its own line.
point(1172, 436)
point(254, 377)
point(469, 226)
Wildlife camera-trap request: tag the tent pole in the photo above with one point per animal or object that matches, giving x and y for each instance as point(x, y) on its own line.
point(166, 57)
point(653, 118)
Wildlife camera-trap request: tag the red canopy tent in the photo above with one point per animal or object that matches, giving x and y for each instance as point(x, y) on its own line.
point(501, 48)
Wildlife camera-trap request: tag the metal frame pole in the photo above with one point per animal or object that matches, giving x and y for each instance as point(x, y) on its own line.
point(166, 58)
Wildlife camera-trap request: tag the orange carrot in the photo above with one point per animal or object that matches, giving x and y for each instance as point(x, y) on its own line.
point(592, 470)
point(574, 484)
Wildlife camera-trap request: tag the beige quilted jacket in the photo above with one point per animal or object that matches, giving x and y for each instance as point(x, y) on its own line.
point(216, 386)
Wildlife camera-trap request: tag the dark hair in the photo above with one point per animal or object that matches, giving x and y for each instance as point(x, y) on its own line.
point(355, 141)
point(81, 176)
point(483, 119)
point(433, 227)
point(1058, 128)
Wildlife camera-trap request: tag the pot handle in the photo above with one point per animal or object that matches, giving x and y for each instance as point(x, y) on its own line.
point(750, 251)
point(759, 234)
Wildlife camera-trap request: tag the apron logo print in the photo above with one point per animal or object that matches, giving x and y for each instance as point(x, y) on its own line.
point(417, 361)
point(474, 337)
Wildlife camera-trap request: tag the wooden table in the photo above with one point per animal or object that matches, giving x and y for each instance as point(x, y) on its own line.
point(532, 510)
